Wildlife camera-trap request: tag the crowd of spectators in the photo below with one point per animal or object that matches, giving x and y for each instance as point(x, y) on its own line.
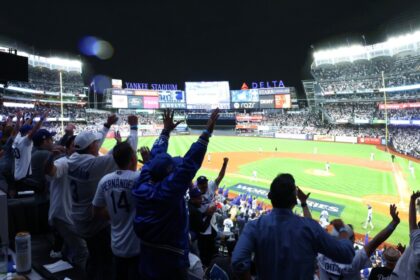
point(47, 80)
point(366, 75)
point(116, 221)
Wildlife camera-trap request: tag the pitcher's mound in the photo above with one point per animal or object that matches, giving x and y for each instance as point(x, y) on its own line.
point(319, 172)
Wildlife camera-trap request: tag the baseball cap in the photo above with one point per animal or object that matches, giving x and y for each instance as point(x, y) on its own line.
point(391, 255)
point(349, 230)
point(195, 192)
point(162, 165)
point(202, 180)
point(41, 135)
point(25, 128)
point(85, 138)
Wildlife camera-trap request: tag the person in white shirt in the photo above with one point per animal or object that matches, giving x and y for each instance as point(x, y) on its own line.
point(331, 270)
point(22, 149)
point(206, 239)
point(227, 225)
point(369, 218)
point(327, 167)
point(113, 200)
point(372, 156)
point(408, 266)
point(86, 169)
point(59, 214)
point(324, 218)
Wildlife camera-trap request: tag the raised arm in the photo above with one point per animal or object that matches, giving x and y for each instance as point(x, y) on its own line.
point(193, 159)
point(385, 233)
point(18, 124)
point(161, 144)
point(133, 138)
point(38, 125)
point(112, 119)
point(302, 198)
point(412, 215)
point(222, 172)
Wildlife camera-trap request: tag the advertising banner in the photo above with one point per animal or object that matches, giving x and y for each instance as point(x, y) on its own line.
point(253, 118)
point(245, 105)
point(403, 122)
point(135, 102)
point(361, 121)
point(272, 91)
point(248, 95)
point(327, 138)
point(346, 139)
point(400, 105)
point(290, 136)
point(376, 121)
point(151, 102)
point(267, 102)
point(119, 101)
point(247, 126)
point(369, 140)
point(314, 204)
point(172, 99)
point(146, 92)
point(415, 122)
point(282, 101)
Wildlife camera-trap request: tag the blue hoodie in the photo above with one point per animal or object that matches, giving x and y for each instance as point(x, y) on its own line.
point(161, 220)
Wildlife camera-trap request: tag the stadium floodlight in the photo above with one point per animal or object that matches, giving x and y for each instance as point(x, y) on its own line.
point(342, 52)
point(403, 40)
point(64, 62)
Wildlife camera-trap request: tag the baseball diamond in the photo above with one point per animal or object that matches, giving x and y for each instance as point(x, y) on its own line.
point(353, 180)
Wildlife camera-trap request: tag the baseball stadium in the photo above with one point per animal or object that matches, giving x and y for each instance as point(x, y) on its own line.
point(259, 140)
point(353, 181)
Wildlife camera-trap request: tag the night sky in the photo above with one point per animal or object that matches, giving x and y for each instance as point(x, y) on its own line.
point(177, 41)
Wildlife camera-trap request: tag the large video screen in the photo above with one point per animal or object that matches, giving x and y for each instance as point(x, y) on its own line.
point(207, 95)
point(282, 101)
point(119, 101)
point(248, 95)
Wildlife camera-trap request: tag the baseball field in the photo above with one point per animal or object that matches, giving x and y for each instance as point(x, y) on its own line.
point(353, 181)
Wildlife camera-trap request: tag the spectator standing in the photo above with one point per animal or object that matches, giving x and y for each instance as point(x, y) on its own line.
point(198, 221)
point(333, 270)
point(22, 149)
point(285, 244)
point(206, 238)
point(161, 220)
point(85, 170)
point(113, 200)
point(408, 266)
point(59, 214)
point(42, 149)
point(391, 256)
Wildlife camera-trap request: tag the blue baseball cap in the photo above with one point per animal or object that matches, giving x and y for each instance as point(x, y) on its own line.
point(25, 129)
point(42, 135)
point(162, 165)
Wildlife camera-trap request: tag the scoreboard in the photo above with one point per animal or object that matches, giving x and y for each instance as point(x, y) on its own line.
point(202, 95)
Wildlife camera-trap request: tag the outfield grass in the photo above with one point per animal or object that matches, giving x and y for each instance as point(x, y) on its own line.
point(349, 180)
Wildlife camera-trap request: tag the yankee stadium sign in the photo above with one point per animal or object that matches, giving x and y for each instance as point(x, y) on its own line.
point(314, 204)
point(151, 86)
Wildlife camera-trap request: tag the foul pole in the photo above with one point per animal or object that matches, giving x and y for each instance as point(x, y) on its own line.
point(386, 112)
